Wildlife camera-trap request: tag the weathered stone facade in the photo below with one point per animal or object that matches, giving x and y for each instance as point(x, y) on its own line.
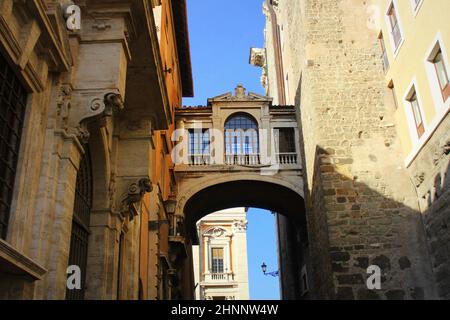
point(430, 174)
point(86, 107)
point(362, 207)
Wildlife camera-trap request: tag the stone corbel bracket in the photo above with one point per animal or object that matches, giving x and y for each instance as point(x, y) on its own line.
point(135, 193)
point(86, 105)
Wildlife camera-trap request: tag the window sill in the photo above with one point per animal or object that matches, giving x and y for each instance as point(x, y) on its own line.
point(429, 131)
point(14, 262)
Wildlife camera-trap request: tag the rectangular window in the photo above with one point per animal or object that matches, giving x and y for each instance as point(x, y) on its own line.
point(217, 260)
point(442, 74)
point(198, 142)
point(394, 94)
point(384, 55)
point(394, 26)
point(286, 140)
point(418, 119)
point(13, 99)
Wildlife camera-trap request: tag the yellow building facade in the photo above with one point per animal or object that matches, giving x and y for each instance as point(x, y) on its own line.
point(416, 36)
point(415, 44)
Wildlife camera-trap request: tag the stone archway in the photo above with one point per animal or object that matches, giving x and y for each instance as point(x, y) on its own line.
point(271, 193)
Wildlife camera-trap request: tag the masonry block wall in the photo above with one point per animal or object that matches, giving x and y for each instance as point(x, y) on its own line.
point(430, 173)
point(362, 206)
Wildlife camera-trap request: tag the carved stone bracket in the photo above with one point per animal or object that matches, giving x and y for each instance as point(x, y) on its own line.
point(134, 196)
point(82, 106)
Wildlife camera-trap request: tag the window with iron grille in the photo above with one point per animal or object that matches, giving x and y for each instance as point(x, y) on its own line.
point(13, 97)
point(80, 224)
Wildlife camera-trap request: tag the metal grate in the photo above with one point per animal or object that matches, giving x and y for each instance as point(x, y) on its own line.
point(80, 224)
point(13, 97)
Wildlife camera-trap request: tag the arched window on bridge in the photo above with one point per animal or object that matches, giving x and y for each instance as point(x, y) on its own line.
point(241, 140)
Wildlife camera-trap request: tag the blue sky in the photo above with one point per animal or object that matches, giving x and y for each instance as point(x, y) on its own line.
point(262, 247)
point(221, 35)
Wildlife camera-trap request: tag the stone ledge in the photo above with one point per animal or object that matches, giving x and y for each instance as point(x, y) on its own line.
point(14, 262)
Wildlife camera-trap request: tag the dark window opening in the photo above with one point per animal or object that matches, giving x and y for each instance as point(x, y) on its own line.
point(286, 140)
point(13, 99)
point(80, 224)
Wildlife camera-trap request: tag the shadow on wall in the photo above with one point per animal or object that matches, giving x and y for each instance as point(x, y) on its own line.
point(353, 221)
point(437, 227)
point(352, 226)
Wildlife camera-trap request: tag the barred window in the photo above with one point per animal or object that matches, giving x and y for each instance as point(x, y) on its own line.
point(13, 97)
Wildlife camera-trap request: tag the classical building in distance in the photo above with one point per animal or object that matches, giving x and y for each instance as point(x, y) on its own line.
point(86, 181)
point(220, 259)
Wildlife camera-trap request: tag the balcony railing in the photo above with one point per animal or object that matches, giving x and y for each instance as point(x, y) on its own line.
point(242, 159)
point(199, 159)
point(287, 158)
point(224, 277)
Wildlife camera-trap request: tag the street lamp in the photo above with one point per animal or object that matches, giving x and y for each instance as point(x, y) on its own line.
point(264, 269)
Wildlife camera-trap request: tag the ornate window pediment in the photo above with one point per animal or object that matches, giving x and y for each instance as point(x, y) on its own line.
point(216, 232)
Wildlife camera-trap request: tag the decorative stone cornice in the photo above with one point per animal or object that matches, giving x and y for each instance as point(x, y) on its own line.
point(239, 95)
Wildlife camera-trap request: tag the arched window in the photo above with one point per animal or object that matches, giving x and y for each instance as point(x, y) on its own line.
point(241, 135)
